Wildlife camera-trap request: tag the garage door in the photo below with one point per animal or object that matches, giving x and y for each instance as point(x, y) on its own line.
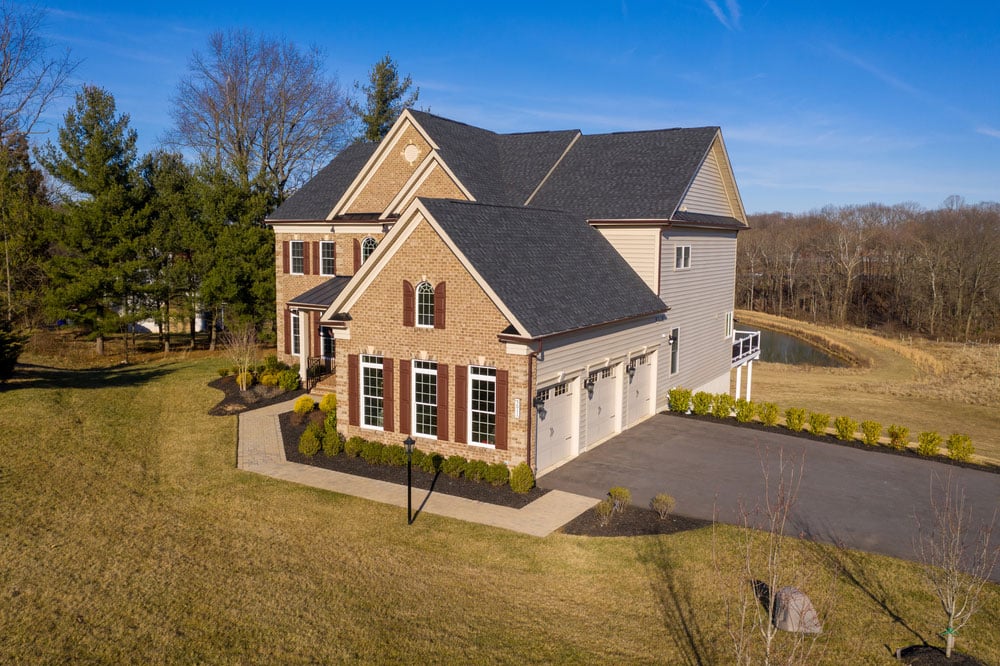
point(602, 405)
point(555, 425)
point(639, 388)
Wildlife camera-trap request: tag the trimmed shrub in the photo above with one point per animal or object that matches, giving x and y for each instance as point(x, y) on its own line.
point(662, 504)
point(871, 430)
point(309, 442)
point(622, 497)
point(272, 364)
point(328, 403)
point(418, 458)
point(899, 436)
point(223, 372)
point(431, 463)
point(845, 427)
point(288, 380)
point(371, 452)
point(353, 446)
point(476, 470)
point(605, 509)
point(268, 379)
point(679, 399)
point(244, 380)
point(928, 443)
point(333, 442)
point(498, 474)
point(744, 410)
point(818, 422)
point(768, 413)
point(522, 479)
point(701, 403)
point(453, 466)
point(304, 405)
point(330, 422)
point(795, 419)
point(722, 406)
point(960, 447)
point(394, 454)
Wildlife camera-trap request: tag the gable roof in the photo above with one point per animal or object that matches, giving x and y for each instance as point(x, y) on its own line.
point(627, 175)
point(315, 199)
point(557, 274)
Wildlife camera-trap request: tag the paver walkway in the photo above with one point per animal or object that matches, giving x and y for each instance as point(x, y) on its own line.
point(260, 450)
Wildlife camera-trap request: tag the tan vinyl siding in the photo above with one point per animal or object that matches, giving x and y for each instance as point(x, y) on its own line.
point(638, 247)
point(708, 192)
point(699, 298)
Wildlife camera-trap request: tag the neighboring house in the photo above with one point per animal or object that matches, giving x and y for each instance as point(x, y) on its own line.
point(511, 297)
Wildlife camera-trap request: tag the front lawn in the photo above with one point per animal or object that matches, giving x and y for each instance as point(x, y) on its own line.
point(128, 535)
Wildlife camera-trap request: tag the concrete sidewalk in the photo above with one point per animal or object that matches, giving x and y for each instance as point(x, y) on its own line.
point(260, 450)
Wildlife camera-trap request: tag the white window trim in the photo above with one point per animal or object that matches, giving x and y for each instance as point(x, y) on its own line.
point(468, 397)
point(291, 257)
point(324, 335)
point(413, 388)
point(416, 304)
point(322, 246)
point(296, 333)
point(364, 243)
point(729, 325)
point(361, 392)
point(675, 333)
point(685, 253)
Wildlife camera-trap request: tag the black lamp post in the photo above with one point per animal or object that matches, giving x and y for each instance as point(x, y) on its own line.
point(408, 443)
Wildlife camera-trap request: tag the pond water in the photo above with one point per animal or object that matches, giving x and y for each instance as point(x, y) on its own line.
point(780, 348)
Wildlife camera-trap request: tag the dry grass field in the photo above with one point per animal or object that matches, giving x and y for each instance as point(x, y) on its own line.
point(923, 385)
point(127, 535)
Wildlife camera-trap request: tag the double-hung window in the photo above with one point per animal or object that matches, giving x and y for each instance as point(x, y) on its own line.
point(371, 391)
point(682, 257)
point(296, 333)
point(326, 258)
point(425, 305)
point(298, 254)
point(482, 405)
point(425, 399)
point(329, 343)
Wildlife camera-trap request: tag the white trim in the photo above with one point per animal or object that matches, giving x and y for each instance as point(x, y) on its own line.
point(413, 396)
point(554, 167)
point(426, 169)
point(416, 305)
point(468, 391)
point(674, 349)
point(362, 364)
point(291, 257)
point(685, 252)
point(333, 259)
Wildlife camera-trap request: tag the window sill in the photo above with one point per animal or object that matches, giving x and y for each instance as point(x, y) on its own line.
point(371, 427)
point(483, 446)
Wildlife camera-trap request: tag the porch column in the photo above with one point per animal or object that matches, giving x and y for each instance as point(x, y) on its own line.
point(305, 336)
point(739, 380)
point(749, 378)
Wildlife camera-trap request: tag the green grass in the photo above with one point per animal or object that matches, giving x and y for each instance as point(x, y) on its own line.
point(127, 535)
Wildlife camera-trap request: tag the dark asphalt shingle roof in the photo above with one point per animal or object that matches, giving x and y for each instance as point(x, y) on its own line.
point(627, 175)
point(552, 270)
point(708, 220)
point(315, 199)
point(322, 295)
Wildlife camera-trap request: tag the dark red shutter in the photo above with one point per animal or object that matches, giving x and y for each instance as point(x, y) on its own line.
point(306, 256)
point(285, 254)
point(314, 335)
point(353, 408)
point(409, 305)
point(461, 404)
point(317, 268)
point(439, 305)
point(387, 393)
point(500, 434)
point(442, 413)
point(405, 391)
point(357, 255)
point(288, 330)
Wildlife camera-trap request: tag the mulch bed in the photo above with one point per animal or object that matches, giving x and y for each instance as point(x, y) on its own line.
point(291, 431)
point(634, 521)
point(830, 439)
point(927, 655)
point(235, 401)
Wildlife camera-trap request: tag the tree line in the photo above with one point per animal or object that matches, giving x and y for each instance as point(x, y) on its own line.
point(96, 234)
point(900, 268)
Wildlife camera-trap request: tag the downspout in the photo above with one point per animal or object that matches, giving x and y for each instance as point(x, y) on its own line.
point(531, 405)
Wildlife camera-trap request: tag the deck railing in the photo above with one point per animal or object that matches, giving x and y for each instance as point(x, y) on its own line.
point(746, 347)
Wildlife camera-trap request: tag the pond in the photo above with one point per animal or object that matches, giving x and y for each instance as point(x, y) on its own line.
point(781, 348)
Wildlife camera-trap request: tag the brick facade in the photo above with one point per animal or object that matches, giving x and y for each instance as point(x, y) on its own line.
point(391, 174)
point(469, 338)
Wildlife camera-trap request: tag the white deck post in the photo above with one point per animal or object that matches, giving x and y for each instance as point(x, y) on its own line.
point(749, 378)
point(739, 380)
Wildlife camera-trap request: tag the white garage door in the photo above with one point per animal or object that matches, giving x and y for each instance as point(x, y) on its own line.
point(602, 405)
point(639, 388)
point(555, 425)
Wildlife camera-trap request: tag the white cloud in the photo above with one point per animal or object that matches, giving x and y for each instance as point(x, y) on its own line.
point(989, 131)
point(729, 17)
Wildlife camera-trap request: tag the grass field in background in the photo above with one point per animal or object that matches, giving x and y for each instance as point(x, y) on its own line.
point(924, 385)
point(128, 536)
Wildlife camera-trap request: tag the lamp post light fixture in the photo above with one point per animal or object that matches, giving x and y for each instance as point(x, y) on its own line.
point(408, 443)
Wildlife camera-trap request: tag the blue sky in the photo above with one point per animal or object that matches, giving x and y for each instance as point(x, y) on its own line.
point(819, 102)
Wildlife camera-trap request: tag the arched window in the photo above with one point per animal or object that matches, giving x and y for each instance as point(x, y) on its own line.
point(425, 305)
point(368, 246)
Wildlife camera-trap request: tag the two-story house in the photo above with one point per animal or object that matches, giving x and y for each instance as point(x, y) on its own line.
point(511, 297)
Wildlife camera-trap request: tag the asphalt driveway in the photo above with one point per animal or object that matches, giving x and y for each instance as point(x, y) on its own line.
point(856, 498)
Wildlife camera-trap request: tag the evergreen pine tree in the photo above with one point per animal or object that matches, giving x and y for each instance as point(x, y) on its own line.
point(385, 96)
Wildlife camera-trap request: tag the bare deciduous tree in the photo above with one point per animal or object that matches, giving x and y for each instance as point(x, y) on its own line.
point(240, 342)
point(261, 109)
point(958, 557)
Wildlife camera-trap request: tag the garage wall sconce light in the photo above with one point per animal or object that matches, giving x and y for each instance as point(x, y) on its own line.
point(538, 402)
point(631, 371)
point(588, 384)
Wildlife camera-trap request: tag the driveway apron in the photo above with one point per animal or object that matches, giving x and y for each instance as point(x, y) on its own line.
point(854, 498)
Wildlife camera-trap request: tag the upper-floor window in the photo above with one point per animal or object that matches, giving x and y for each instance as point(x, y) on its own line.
point(425, 398)
point(482, 405)
point(425, 305)
point(371, 391)
point(298, 254)
point(327, 258)
point(682, 256)
point(729, 324)
point(368, 246)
